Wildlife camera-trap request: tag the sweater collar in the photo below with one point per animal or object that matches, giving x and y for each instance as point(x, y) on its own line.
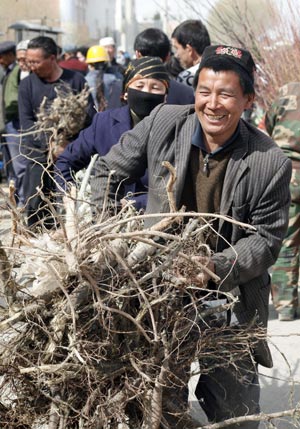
point(198, 140)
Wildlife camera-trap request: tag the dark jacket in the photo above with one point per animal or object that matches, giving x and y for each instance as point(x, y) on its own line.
point(32, 91)
point(104, 132)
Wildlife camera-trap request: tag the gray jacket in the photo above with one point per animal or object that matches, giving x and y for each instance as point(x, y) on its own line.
point(255, 191)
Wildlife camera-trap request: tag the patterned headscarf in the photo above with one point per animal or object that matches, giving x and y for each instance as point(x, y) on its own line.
point(145, 67)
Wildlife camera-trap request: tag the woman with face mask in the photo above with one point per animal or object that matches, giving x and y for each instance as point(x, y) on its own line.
point(145, 86)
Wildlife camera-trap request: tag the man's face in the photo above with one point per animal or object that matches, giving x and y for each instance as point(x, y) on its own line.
point(219, 103)
point(7, 59)
point(21, 58)
point(111, 50)
point(182, 54)
point(39, 63)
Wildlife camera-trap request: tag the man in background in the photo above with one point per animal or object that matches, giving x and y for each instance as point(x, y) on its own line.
point(14, 163)
point(109, 44)
point(46, 75)
point(282, 123)
point(189, 40)
point(71, 62)
point(153, 42)
point(21, 58)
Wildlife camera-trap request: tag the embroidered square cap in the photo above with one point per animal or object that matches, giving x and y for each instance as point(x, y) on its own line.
point(240, 56)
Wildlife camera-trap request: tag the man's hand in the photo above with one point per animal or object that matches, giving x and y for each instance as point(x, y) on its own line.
point(207, 267)
point(56, 150)
point(195, 270)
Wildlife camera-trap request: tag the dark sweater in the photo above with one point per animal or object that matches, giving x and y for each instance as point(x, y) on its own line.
point(204, 183)
point(32, 91)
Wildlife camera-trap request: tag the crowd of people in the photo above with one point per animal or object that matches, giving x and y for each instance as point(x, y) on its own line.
point(184, 107)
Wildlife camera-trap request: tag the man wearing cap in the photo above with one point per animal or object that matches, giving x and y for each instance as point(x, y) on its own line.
point(100, 81)
point(109, 44)
point(223, 165)
point(21, 58)
point(15, 163)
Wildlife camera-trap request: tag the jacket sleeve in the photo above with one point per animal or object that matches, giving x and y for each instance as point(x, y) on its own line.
point(255, 251)
point(26, 111)
point(125, 163)
point(78, 153)
point(270, 118)
point(33, 145)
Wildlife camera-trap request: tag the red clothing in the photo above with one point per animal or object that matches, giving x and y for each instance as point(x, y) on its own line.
point(74, 64)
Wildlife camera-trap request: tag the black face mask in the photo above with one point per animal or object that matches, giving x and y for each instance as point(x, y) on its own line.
point(141, 103)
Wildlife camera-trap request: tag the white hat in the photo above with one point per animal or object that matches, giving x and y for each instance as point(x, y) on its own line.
point(22, 46)
point(107, 41)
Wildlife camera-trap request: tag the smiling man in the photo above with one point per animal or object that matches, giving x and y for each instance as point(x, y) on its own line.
point(224, 165)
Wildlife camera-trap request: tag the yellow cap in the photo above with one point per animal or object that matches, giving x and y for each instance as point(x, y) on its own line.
point(96, 54)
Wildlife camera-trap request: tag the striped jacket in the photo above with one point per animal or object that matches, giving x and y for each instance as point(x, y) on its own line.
point(255, 191)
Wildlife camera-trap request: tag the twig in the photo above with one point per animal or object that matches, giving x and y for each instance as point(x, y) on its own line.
point(127, 316)
point(87, 176)
point(51, 368)
point(9, 285)
point(170, 185)
point(294, 412)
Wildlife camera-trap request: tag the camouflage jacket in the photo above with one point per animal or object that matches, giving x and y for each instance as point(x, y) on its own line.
point(283, 120)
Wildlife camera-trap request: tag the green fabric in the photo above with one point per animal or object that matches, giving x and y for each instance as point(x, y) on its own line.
point(283, 120)
point(286, 270)
point(10, 94)
point(283, 124)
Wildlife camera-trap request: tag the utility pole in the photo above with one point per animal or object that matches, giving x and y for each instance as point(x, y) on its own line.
point(166, 17)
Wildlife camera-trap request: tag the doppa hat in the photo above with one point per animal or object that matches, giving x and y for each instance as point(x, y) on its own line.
point(7, 46)
point(107, 41)
point(146, 67)
point(22, 46)
point(242, 57)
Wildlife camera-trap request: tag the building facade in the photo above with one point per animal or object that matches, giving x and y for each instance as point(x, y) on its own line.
point(69, 22)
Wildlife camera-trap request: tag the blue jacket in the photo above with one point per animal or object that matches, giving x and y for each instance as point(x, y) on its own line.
point(104, 132)
point(93, 82)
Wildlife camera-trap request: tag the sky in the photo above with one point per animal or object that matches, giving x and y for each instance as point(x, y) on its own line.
point(147, 8)
point(178, 8)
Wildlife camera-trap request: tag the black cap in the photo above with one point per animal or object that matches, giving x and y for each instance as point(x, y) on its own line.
point(242, 57)
point(7, 46)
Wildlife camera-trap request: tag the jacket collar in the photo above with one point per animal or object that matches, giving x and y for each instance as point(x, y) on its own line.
point(236, 167)
point(184, 130)
point(121, 114)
